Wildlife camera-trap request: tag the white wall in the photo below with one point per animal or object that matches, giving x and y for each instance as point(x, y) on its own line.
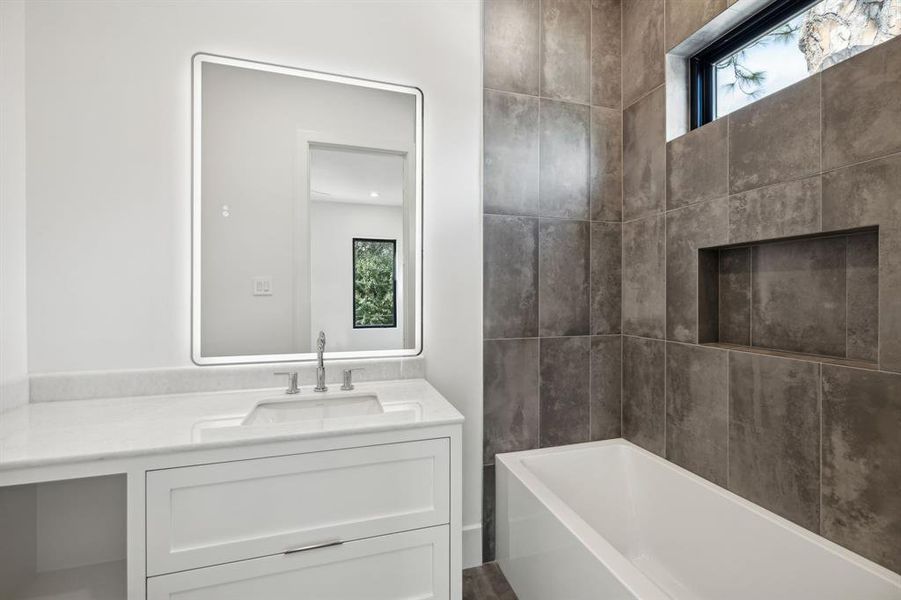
point(108, 169)
point(335, 225)
point(13, 342)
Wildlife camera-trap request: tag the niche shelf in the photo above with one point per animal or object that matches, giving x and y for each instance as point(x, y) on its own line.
point(814, 297)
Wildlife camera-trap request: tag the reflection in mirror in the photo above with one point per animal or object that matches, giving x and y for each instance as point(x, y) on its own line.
point(307, 214)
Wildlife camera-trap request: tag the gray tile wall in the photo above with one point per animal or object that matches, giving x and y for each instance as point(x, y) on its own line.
point(552, 227)
point(813, 439)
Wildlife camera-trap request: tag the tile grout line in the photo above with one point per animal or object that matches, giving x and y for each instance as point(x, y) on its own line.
point(538, 225)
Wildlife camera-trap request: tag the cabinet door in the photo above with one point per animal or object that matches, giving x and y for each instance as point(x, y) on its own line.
point(212, 514)
point(404, 566)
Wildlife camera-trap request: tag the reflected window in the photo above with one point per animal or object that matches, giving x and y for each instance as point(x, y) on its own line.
point(375, 283)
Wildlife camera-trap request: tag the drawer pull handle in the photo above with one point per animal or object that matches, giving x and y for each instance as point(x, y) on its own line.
point(314, 547)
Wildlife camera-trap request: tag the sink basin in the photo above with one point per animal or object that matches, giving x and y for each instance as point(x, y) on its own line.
point(314, 409)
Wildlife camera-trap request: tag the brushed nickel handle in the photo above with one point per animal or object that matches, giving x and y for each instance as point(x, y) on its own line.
point(314, 547)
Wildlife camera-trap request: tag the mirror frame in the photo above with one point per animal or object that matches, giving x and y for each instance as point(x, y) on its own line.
point(198, 60)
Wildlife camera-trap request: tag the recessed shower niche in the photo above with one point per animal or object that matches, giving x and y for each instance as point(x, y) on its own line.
point(813, 295)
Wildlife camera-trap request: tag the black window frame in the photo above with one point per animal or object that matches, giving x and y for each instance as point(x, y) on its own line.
point(702, 76)
point(353, 281)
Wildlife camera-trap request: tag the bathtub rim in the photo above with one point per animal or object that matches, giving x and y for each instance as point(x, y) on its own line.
point(632, 578)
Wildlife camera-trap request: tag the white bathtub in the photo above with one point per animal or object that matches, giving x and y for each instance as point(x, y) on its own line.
point(610, 521)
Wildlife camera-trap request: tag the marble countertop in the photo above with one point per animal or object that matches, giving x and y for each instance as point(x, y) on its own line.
point(83, 430)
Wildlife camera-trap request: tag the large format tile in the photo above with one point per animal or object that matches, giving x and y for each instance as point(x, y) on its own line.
point(777, 138)
point(873, 186)
point(688, 229)
point(776, 211)
point(862, 462)
point(606, 169)
point(644, 400)
point(605, 407)
point(861, 111)
point(565, 49)
point(643, 51)
point(685, 17)
point(799, 296)
point(511, 45)
point(564, 278)
point(735, 296)
point(563, 177)
point(697, 403)
point(644, 156)
point(863, 297)
point(486, 582)
point(696, 166)
point(606, 278)
point(510, 395)
point(565, 381)
point(511, 154)
point(606, 53)
point(510, 300)
point(774, 435)
point(489, 512)
point(644, 277)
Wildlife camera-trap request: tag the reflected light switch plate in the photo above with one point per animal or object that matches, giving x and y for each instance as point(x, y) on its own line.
point(262, 286)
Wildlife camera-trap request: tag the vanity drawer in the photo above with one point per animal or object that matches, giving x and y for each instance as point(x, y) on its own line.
point(413, 564)
point(212, 514)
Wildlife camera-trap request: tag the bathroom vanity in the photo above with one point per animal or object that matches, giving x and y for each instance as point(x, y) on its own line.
point(240, 494)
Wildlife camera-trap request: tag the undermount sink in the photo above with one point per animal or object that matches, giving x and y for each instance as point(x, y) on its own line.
point(314, 409)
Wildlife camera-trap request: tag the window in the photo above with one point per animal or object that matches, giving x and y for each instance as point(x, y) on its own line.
point(375, 283)
point(781, 45)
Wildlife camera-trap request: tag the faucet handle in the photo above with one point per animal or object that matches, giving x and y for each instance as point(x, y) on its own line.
point(348, 378)
point(292, 381)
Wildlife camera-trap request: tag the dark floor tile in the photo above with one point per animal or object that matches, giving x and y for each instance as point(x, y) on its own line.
point(696, 166)
point(564, 277)
point(735, 296)
point(777, 138)
point(489, 512)
point(486, 582)
point(510, 396)
point(644, 400)
point(862, 462)
point(643, 48)
point(644, 156)
point(606, 387)
point(606, 53)
point(565, 381)
point(799, 296)
point(511, 45)
point(697, 403)
point(564, 160)
point(863, 297)
point(689, 229)
point(774, 435)
point(644, 277)
point(565, 49)
point(606, 167)
point(511, 154)
point(606, 278)
point(510, 300)
point(858, 122)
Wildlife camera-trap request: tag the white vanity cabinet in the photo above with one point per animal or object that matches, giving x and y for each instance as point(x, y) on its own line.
point(368, 522)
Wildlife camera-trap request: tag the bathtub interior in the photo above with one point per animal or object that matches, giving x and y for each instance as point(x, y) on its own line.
point(695, 540)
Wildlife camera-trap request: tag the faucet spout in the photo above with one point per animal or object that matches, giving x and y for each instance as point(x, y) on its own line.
point(320, 368)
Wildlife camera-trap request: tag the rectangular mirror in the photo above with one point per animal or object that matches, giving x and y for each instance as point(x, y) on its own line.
point(307, 209)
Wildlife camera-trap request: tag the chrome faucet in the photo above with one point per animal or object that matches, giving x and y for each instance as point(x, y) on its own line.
point(292, 381)
point(320, 367)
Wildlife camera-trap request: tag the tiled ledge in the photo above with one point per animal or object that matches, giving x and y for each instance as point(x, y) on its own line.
point(83, 385)
point(817, 358)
